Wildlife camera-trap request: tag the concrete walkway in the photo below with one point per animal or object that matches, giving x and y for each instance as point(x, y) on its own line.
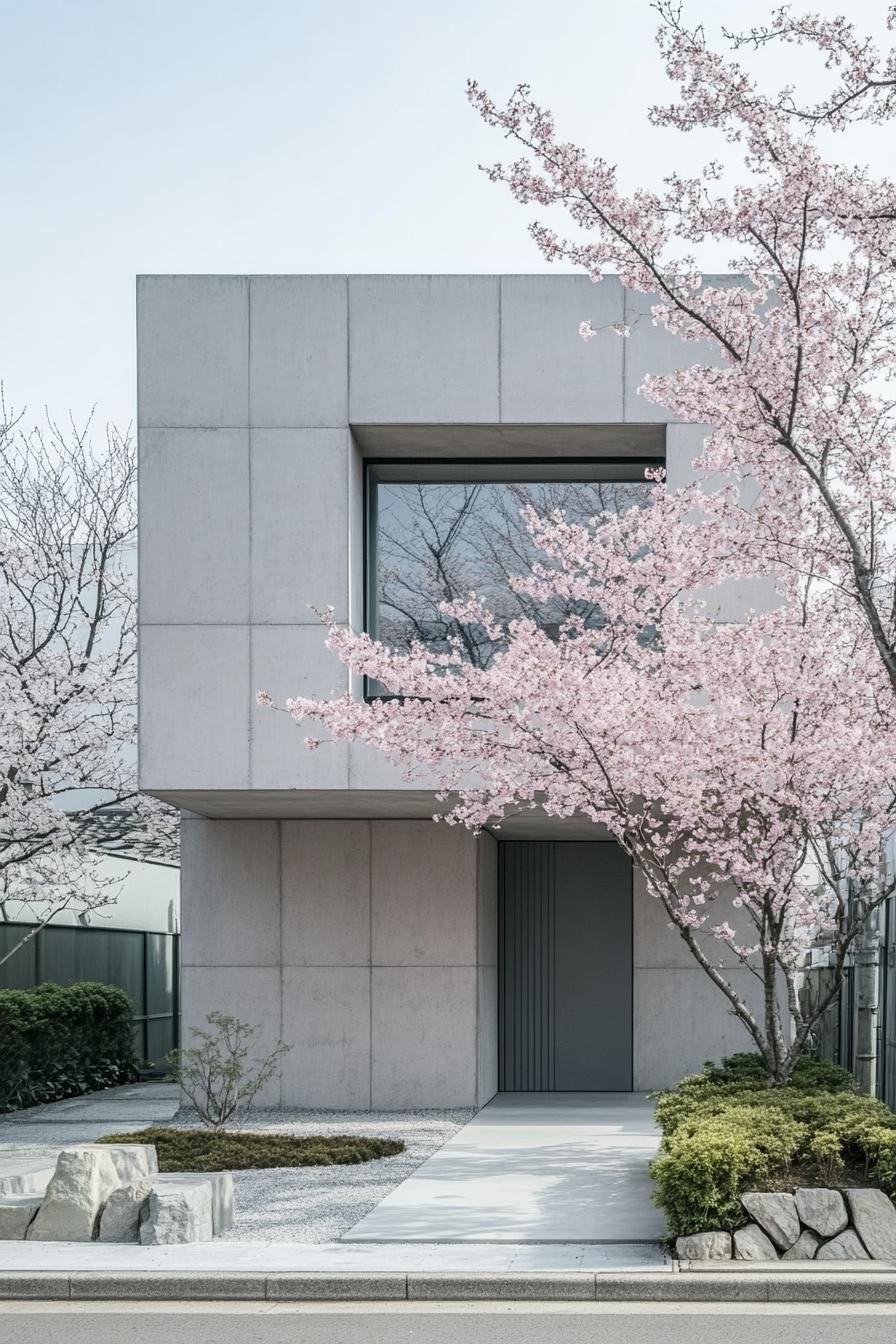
point(532, 1167)
point(33, 1138)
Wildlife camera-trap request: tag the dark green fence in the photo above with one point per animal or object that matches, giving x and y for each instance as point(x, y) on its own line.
point(144, 965)
point(834, 1036)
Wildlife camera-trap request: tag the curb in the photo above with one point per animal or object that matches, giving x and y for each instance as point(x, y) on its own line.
point(547, 1286)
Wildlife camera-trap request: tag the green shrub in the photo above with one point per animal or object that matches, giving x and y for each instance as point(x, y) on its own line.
point(57, 1042)
point(701, 1172)
point(725, 1131)
point(239, 1150)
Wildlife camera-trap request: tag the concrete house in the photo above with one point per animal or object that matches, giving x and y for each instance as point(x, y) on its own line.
point(345, 441)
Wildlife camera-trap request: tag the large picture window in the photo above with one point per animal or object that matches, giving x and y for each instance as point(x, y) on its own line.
point(438, 531)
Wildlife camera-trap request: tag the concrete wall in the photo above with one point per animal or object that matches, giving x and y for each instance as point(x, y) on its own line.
point(251, 498)
point(371, 947)
point(369, 943)
point(368, 946)
point(680, 1018)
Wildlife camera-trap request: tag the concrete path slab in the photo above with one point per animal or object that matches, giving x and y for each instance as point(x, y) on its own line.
point(34, 1137)
point(532, 1167)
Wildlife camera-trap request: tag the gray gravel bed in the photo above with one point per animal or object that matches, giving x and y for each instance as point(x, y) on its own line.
point(317, 1204)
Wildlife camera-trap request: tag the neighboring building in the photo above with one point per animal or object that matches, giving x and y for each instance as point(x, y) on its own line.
point(139, 879)
point(144, 878)
point(131, 942)
point(360, 442)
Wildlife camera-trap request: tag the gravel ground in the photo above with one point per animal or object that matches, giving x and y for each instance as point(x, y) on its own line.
point(307, 1204)
point(316, 1204)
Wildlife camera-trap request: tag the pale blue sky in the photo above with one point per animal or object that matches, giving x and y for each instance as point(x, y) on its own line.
point(284, 135)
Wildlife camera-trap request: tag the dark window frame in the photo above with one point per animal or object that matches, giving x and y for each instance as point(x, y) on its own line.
point(460, 471)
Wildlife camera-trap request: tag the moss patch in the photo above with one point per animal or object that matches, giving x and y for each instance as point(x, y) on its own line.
point(236, 1150)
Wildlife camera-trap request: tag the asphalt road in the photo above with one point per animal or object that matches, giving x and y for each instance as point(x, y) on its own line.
point(467, 1323)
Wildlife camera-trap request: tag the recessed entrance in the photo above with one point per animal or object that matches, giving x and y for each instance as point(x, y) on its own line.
point(564, 967)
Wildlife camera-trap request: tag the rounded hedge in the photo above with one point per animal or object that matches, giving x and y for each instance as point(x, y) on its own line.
point(240, 1150)
point(58, 1041)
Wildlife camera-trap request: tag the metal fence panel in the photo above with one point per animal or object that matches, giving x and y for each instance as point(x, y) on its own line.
point(144, 965)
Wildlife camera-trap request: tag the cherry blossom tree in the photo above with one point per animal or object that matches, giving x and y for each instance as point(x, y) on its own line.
point(746, 767)
point(68, 669)
point(798, 377)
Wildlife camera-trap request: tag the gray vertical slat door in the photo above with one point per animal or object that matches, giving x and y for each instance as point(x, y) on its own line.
point(565, 967)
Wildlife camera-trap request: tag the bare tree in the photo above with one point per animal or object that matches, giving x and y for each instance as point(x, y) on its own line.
point(68, 667)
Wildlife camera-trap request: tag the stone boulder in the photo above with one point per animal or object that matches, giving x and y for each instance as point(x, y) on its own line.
point(82, 1182)
point(822, 1210)
point(120, 1219)
point(133, 1161)
point(776, 1215)
point(704, 1246)
point(24, 1178)
point(220, 1185)
point(874, 1218)
point(804, 1247)
point(16, 1215)
point(846, 1246)
point(751, 1243)
point(178, 1214)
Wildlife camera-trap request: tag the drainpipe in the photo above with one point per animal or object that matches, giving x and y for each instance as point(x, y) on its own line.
point(867, 978)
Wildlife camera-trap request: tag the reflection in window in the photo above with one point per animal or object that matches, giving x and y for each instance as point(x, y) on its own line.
point(436, 538)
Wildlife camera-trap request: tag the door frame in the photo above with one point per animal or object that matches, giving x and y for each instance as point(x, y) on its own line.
point(500, 934)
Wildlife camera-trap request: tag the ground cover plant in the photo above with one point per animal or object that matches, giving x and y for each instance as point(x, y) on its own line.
point(58, 1041)
point(217, 1150)
point(725, 1132)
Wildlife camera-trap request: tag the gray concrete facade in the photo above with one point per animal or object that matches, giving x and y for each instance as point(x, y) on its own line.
point(368, 945)
point(318, 897)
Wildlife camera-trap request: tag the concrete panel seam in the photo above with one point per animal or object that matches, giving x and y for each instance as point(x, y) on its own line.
point(249, 490)
point(624, 352)
point(348, 348)
point(500, 344)
point(188, 625)
point(326, 965)
point(233, 965)
point(190, 425)
point(280, 913)
point(283, 428)
point(424, 965)
point(370, 958)
point(242, 625)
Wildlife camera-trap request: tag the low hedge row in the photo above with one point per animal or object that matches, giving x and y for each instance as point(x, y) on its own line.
point(59, 1041)
point(724, 1132)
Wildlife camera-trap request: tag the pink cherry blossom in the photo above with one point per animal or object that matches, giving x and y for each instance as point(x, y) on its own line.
point(746, 766)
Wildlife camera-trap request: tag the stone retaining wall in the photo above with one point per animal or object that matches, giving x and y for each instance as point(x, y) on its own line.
point(810, 1224)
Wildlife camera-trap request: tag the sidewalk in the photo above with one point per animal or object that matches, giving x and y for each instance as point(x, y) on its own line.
point(223, 1257)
